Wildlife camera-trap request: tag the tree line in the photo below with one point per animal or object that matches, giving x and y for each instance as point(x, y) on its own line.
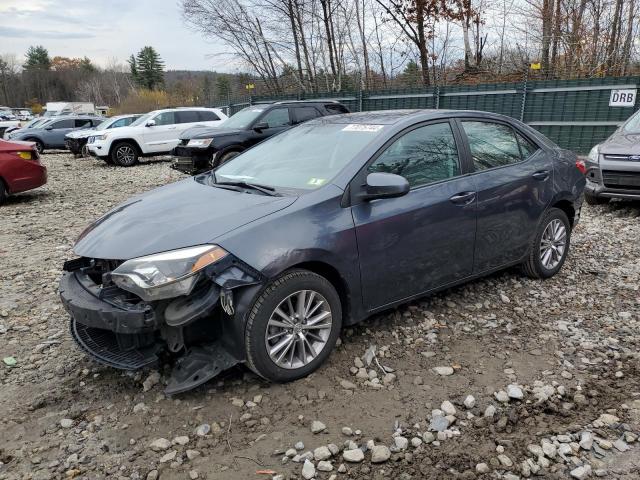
point(305, 46)
point(328, 45)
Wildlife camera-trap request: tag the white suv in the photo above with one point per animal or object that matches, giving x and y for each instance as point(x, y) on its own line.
point(155, 133)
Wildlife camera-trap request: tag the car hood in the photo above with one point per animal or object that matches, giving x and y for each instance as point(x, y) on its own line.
point(84, 133)
point(178, 215)
point(621, 144)
point(208, 132)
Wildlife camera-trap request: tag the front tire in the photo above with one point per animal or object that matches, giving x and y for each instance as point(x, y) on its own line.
point(124, 154)
point(222, 158)
point(550, 245)
point(293, 326)
point(39, 144)
point(4, 193)
point(593, 200)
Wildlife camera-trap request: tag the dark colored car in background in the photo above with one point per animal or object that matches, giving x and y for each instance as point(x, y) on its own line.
point(613, 167)
point(203, 148)
point(20, 168)
point(266, 258)
point(51, 134)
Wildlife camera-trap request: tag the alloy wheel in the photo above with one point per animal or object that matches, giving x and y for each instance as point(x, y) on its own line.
point(298, 329)
point(553, 244)
point(125, 155)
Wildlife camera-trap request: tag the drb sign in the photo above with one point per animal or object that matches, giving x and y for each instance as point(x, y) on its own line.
point(622, 98)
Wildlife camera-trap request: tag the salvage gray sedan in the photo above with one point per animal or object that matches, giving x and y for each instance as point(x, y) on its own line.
point(265, 259)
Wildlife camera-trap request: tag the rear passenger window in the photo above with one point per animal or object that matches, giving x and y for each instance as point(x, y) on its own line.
point(424, 155)
point(187, 116)
point(527, 148)
point(306, 113)
point(278, 117)
point(207, 116)
point(491, 144)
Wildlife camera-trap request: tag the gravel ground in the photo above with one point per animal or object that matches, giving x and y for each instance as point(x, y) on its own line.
point(504, 377)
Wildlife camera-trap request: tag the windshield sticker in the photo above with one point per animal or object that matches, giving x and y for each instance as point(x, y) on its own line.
point(317, 181)
point(359, 127)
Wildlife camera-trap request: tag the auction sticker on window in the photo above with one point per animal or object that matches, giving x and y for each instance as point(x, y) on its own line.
point(359, 127)
point(317, 181)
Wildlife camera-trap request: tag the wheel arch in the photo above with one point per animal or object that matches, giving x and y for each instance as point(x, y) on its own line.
point(567, 207)
point(332, 274)
point(133, 141)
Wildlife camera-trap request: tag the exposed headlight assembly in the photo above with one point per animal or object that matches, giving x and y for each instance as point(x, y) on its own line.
point(200, 142)
point(594, 154)
point(168, 274)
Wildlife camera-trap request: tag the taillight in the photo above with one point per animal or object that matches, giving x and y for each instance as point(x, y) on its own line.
point(581, 166)
point(26, 155)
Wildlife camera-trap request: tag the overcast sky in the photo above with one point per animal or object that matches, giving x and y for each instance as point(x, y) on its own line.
point(102, 29)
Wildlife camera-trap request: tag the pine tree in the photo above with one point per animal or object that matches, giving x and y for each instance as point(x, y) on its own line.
point(147, 68)
point(37, 58)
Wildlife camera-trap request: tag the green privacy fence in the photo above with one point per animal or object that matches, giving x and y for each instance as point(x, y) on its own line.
point(573, 113)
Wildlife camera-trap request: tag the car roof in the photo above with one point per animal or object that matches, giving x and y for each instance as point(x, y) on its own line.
point(391, 117)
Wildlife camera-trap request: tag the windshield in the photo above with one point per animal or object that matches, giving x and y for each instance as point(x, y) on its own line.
point(633, 124)
point(303, 158)
point(142, 120)
point(243, 118)
point(34, 122)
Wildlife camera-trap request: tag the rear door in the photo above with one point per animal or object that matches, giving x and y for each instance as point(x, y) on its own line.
point(514, 180)
point(425, 239)
point(164, 135)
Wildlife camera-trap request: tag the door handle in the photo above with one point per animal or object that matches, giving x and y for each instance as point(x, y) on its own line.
point(463, 198)
point(541, 175)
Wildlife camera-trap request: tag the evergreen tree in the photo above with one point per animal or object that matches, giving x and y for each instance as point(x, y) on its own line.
point(223, 86)
point(37, 58)
point(147, 68)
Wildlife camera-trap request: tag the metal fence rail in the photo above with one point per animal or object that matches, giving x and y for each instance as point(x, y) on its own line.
point(573, 113)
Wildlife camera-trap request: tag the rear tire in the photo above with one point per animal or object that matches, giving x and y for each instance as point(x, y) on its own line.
point(307, 347)
point(550, 245)
point(593, 200)
point(124, 154)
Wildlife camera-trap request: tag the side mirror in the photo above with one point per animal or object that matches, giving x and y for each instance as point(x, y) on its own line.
point(384, 185)
point(49, 128)
point(150, 123)
point(258, 127)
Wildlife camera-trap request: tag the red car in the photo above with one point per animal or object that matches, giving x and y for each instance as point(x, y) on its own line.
point(20, 168)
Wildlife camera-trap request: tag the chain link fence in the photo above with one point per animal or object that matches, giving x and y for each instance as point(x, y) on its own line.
point(573, 113)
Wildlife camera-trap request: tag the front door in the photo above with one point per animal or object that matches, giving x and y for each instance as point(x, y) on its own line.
point(53, 136)
point(514, 181)
point(276, 120)
point(425, 239)
point(164, 135)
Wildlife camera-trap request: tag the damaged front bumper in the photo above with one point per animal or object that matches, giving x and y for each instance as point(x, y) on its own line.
point(199, 331)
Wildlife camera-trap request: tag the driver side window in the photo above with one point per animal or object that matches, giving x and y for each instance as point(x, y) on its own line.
point(424, 155)
point(165, 118)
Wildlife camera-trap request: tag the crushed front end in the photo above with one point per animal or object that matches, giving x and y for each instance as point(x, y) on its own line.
point(196, 330)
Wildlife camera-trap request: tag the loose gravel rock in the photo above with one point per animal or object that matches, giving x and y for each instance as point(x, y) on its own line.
point(569, 344)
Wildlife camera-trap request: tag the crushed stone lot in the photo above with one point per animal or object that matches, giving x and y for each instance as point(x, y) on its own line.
point(504, 377)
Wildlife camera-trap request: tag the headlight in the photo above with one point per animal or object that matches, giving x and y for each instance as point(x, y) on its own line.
point(200, 142)
point(166, 275)
point(98, 137)
point(594, 154)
